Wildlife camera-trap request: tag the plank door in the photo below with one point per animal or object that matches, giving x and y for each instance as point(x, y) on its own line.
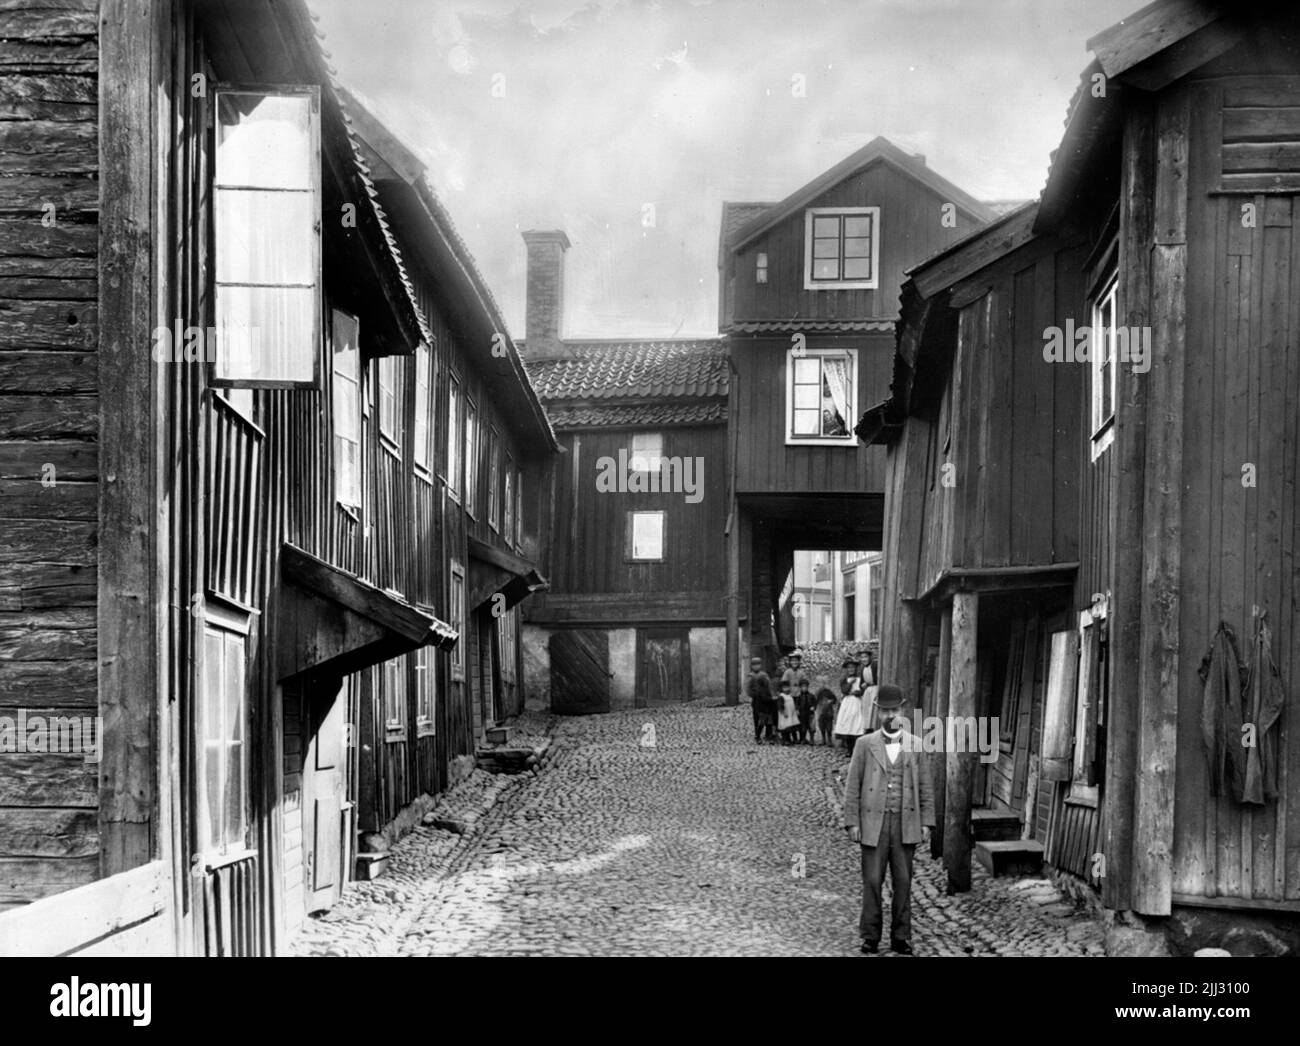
point(324, 780)
point(579, 672)
point(663, 667)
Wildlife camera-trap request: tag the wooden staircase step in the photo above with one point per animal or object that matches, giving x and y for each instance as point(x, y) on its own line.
point(1010, 856)
point(987, 823)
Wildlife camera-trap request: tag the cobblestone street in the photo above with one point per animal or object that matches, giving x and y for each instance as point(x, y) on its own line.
point(691, 846)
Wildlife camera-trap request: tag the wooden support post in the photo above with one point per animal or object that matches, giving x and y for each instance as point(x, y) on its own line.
point(1162, 519)
point(733, 613)
point(960, 765)
point(939, 767)
point(1124, 662)
point(127, 627)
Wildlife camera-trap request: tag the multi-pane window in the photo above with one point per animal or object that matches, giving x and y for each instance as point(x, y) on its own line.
point(347, 410)
point(394, 679)
point(390, 401)
point(519, 508)
point(820, 395)
point(494, 479)
point(760, 267)
point(647, 449)
point(426, 682)
point(266, 230)
point(471, 457)
point(841, 247)
point(458, 620)
point(877, 575)
point(508, 501)
point(1101, 353)
point(423, 402)
point(223, 770)
point(509, 644)
point(453, 436)
point(645, 535)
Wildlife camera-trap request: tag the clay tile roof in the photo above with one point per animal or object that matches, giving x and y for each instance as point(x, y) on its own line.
point(632, 370)
point(640, 415)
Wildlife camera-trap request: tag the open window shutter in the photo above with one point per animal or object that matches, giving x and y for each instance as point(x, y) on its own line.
point(1058, 715)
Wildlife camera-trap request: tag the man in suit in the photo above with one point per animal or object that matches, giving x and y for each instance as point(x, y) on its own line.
point(888, 809)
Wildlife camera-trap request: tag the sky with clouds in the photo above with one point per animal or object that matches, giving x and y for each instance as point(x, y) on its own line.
point(576, 115)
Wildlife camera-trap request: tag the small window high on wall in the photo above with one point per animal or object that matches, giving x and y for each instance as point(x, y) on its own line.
point(266, 227)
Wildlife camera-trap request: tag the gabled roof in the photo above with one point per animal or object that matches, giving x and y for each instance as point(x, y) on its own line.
point(735, 216)
point(878, 150)
point(633, 370)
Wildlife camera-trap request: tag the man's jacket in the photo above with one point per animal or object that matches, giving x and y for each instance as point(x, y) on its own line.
point(868, 778)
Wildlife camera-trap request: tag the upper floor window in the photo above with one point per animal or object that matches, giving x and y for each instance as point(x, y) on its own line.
point(266, 229)
point(471, 457)
point(1101, 354)
point(509, 500)
point(494, 479)
point(841, 248)
point(423, 406)
point(453, 436)
point(821, 396)
point(519, 509)
point(390, 400)
point(647, 449)
point(760, 267)
point(645, 535)
point(347, 410)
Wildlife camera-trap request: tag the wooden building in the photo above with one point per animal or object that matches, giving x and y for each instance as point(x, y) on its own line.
point(244, 446)
point(1066, 534)
point(635, 511)
point(808, 303)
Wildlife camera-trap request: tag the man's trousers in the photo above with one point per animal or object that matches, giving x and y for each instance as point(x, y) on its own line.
point(891, 852)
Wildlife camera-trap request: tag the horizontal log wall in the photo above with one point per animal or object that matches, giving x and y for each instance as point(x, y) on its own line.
point(49, 426)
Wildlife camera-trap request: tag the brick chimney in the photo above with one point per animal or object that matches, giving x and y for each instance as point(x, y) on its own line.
point(544, 308)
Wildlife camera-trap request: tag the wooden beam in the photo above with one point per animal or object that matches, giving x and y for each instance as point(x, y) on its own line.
point(942, 682)
point(1126, 567)
point(1162, 516)
point(1000, 579)
point(128, 684)
point(71, 920)
point(962, 699)
point(1149, 31)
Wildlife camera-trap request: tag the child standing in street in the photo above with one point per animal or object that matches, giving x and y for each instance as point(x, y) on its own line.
point(758, 686)
point(787, 715)
point(806, 702)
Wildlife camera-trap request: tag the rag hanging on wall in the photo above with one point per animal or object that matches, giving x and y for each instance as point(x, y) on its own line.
point(1267, 698)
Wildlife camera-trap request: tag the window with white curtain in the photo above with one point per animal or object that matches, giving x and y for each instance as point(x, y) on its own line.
point(821, 396)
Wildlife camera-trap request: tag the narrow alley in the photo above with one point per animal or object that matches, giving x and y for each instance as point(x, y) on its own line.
point(668, 832)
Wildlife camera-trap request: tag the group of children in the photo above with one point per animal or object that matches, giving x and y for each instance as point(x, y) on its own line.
point(790, 712)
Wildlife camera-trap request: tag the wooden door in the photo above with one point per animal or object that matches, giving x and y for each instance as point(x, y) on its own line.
point(663, 667)
point(325, 807)
point(579, 672)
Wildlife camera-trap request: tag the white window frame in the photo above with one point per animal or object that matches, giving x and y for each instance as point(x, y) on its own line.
point(456, 601)
point(426, 692)
point(645, 452)
point(345, 384)
point(251, 377)
point(631, 555)
point(508, 512)
point(1080, 793)
point(760, 267)
point(227, 625)
point(423, 427)
point(810, 284)
point(849, 440)
point(390, 401)
point(1102, 344)
point(494, 479)
point(454, 448)
point(472, 454)
point(393, 673)
point(519, 509)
